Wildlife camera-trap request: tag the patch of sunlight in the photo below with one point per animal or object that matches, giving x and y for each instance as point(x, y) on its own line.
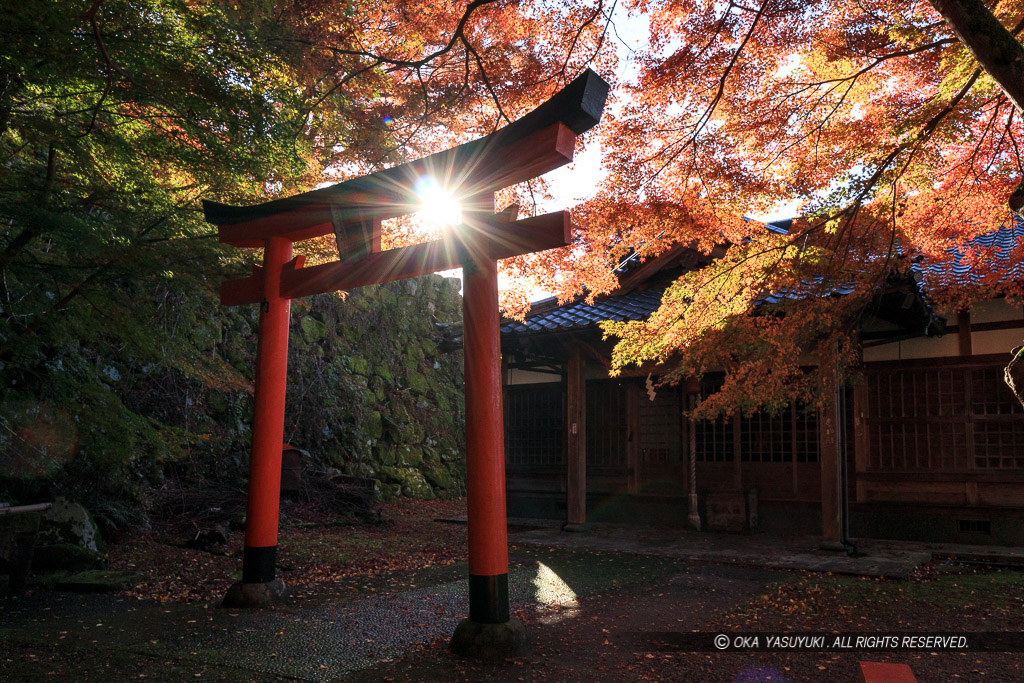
point(555, 600)
point(789, 65)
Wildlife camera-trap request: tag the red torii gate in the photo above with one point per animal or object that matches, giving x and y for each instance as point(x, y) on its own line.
point(353, 210)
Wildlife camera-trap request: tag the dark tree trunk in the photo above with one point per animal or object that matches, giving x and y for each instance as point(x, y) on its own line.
point(995, 47)
point(1001, 55)
point(998, 52)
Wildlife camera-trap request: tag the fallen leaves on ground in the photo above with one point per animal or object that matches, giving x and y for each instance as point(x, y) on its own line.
point(409, 538)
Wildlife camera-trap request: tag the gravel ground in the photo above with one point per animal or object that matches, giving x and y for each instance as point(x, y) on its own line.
point(379, 603)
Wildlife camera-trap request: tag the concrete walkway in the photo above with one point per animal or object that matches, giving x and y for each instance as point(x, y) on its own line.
point(874, 557)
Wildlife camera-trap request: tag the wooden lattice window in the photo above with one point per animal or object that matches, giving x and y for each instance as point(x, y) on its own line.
point(715, 440)
point(942, 418)
point(791, 435)
point(766, 438)
point(998, 421)
point(534, 425)
point(607, 431)
point(805, 434)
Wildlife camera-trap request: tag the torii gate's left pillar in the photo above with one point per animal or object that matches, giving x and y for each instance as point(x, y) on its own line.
point(259, 585)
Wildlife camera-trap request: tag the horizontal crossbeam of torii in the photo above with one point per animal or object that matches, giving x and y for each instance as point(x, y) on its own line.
point(353, 210)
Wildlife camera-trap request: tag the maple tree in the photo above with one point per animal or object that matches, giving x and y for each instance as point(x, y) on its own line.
point(875, 117)
point(118, 116)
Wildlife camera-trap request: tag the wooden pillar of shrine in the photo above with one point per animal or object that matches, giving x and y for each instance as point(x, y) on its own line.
point(490, 620)
point(830, 462)
point(576, 474)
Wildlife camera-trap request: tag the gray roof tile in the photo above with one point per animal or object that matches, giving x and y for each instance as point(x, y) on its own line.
point(637, 305)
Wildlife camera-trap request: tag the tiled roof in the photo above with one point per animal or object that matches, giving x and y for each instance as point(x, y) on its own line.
point(630, 306)
point(1001, 242)
point(784, 293)
point(635, 305)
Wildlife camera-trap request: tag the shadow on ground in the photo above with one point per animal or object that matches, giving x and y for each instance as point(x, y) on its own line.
point(593, 613)
point(337, 631)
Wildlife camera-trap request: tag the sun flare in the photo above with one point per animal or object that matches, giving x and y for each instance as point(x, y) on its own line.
point(438, 208)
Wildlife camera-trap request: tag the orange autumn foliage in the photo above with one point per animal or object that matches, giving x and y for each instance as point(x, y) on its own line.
point(871, 118)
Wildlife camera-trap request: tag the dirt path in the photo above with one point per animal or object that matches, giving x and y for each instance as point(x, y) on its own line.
point(607, 637)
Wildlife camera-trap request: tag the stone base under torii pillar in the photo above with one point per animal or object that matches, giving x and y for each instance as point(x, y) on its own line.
point(490, 641)
point(255, 594)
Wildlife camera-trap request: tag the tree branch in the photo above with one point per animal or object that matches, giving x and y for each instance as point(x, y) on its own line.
point(709, 111)
point(998, 52)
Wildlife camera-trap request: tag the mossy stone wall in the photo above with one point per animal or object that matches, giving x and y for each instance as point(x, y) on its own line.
point(371, 390)
point(107, 411)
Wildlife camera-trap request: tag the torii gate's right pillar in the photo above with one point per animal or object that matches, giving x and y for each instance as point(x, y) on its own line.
point(490, 631)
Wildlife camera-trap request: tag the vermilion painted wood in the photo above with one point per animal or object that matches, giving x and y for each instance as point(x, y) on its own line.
point(245, 291)
point(885, 672)
point(250, 290)
point(268, 406)
point(496, 239)
point(539, 142)
point(485, 440)
point(577, 106)
point(388, 194)
point(355, 238)
point(296, 225)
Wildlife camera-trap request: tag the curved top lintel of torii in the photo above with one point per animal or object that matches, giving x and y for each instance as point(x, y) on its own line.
point(540, 141)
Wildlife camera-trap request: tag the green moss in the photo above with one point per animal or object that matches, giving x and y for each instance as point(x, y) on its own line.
point(384, 373)
point(217, 403)
point(418, 383)
point(385, 492)
point(373, 427)
point(359, 365)
point(409, 456)
point(365, 386)
point(385, 454)
point(439, 477)
point(413, 484)
point(312, 329)
point(360, 469)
